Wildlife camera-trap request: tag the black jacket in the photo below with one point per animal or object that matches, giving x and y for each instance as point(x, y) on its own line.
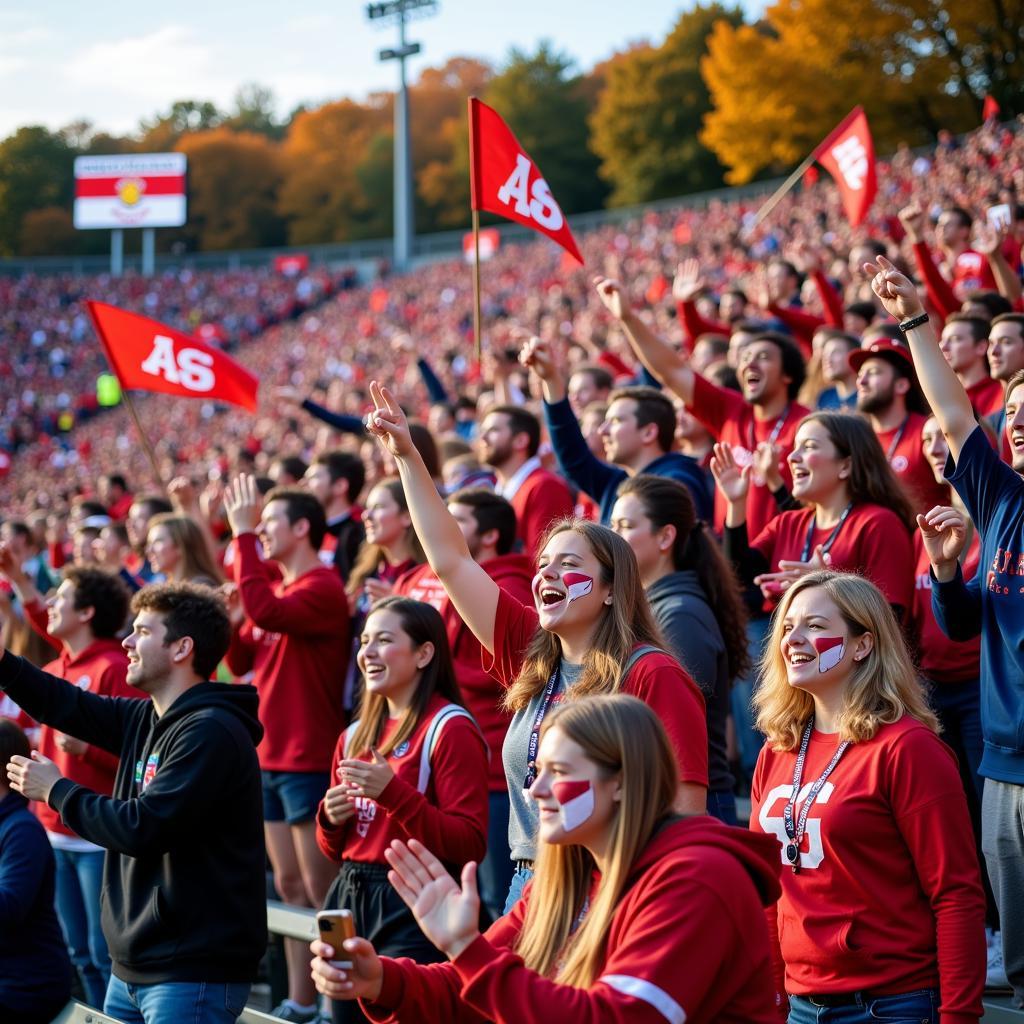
point(184, 880)
point(682, 612)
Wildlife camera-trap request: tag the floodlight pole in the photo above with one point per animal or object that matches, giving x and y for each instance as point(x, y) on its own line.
point(116, 252)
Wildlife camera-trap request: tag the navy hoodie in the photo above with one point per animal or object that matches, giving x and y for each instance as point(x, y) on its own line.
point(184, 879)
point(994, 496)
point(601, 480)
point(34, 967)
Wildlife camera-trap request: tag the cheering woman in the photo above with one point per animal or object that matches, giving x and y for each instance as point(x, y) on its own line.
point(882, 915)
point(635, 916)
point(589, 630)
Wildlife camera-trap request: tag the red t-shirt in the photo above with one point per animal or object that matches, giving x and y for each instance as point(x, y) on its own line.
point(296, 642)
point(482, 691)
point(986, 396)
point(450, 818)
point(889, 895)
point(542, 498)
point(873, 542)
point(101, 669)
point(902, 446)
point(657, 679)
point(731, 419)
point(943, 660)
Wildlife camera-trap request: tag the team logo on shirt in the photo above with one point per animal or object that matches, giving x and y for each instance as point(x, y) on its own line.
point(813, 852)
point(402, 749)
point(83, 682)
point(144, 773)
point(366, 811)
point(899, 463)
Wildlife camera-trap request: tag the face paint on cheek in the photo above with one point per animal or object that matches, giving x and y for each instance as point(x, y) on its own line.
point(830, 651)
point(577, 584)
point(576, 803)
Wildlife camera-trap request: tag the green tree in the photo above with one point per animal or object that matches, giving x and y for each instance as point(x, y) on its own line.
point(254, 112)
point(160, 134)
point(646, 123)
point(36, 171)
point(545, 103)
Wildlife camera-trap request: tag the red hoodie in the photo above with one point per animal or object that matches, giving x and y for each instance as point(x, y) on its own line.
point(685, 944)
point(481, 690)
point(889, 898)
point(296, 640)
point(101, 668)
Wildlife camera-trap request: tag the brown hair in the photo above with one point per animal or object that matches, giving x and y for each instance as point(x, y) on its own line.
point(196, 560)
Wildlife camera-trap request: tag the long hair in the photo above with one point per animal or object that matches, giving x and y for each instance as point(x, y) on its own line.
point(872, 480)
point(668, 503)
point(882, 688)
point(196, 561)
point(370, 556)
point(422, 623)
point(623, 737)
point(623, 624)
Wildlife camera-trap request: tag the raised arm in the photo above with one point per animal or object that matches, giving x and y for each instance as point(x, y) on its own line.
point(658, 356)
point(989, 240)
point(942, 388)
point(472, 591)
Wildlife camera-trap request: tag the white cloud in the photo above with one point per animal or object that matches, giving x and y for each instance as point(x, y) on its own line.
point(303, 24)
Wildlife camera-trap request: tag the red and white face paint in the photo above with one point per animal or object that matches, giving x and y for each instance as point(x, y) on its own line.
point(830, 651)
point(575, 802)
point(577, 584)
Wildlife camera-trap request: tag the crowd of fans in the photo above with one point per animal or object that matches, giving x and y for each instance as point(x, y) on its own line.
point(709, 475)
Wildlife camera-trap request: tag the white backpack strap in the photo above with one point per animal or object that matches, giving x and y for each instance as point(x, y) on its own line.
point(635, 656)
point(448, 712)
point(349, 733)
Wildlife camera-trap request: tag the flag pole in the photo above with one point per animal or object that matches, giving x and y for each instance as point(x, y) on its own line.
point(151, 454)
point(476, 286)
point(778, 195)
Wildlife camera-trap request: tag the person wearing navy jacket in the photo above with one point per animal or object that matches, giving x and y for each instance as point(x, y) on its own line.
point(993, 494)
point(638, 431)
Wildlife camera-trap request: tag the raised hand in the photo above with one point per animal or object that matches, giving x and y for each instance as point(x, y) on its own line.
point(289, 396)
point(912, 219)
point(730, 479)
point(610, 293)
point(688, 283)
point(182, 493)
point(895, 291)
point(360, 981)
point(766, 464)
point(539, 356)
point(988, 239)
point(242, 504)
point(944, 531)
point(387, 422)
point(449, 915)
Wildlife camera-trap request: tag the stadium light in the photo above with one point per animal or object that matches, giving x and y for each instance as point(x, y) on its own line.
point(399, 11)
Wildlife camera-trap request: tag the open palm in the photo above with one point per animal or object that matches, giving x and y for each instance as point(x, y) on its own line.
point(733, 482)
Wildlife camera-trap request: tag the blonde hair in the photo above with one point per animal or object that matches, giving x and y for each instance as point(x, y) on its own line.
point(196, 561)
point(623, 737)
point(883, 686)
point(623, 624)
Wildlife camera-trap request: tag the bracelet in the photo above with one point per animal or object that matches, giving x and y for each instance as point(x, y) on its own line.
point(909, 325)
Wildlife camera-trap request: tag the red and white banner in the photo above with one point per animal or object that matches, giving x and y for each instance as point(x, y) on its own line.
point(504, 180)
point(150, 356)
point(490, 239)
point(132, 190)
point(848, 154)
point(291, 264)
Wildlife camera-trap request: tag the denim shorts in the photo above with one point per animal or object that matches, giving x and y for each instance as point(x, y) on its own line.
point(293, 796)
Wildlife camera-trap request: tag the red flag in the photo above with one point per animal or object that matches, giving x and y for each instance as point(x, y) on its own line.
point(848, 154)
point(990, 109)
point(150, 356)
point(505, 181)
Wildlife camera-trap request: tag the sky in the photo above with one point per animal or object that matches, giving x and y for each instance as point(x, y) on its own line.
point(115, 63)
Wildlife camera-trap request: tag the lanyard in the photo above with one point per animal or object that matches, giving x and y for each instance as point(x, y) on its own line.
point(831, 537)
point(894, 443)
point(538, 721)
point(796, 834)
point(773, 436)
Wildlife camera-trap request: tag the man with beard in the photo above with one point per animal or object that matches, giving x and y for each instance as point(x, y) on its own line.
point(888, 394)
point(509, 441)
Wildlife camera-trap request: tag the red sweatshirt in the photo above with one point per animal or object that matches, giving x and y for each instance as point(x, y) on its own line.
point(542, 498)
point(657, 679)
point(101, 668)
point(943, 660)
point(685, 944)
point(986, 396)
point(450, 818)
point(730, 418)
point(296, 641)
point(911, 467)
point(481, 690)
point(694, 325)
point(889, 897)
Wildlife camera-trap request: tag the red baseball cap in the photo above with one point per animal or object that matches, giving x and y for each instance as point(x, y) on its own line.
point(889, 349)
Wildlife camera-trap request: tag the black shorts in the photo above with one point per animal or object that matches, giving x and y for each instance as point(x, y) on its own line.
point(382, 917)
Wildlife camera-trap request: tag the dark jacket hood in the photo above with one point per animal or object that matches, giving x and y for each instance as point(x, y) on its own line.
point(11, 803)
point(683, 583)
point(242, 701)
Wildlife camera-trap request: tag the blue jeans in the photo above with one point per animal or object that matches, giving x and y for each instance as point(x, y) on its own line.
point(495, 871)
point(79, 882)
point(515, 889)
point(748, 739)
point(722, 805)
point(921, 1007)
point(176, 1002)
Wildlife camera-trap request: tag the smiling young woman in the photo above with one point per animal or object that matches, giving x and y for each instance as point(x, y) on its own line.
point(589, 630)
point(635, 914)
point(882, 912)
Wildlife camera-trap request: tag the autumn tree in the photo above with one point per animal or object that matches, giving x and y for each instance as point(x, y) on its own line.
point(254, 112)
point(780, 86)
point(649, 114)
point(234, 179)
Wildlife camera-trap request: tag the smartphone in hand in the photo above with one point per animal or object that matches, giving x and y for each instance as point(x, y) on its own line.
point(335, 927)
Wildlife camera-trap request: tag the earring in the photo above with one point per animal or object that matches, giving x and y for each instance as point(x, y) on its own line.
point(608, 599)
